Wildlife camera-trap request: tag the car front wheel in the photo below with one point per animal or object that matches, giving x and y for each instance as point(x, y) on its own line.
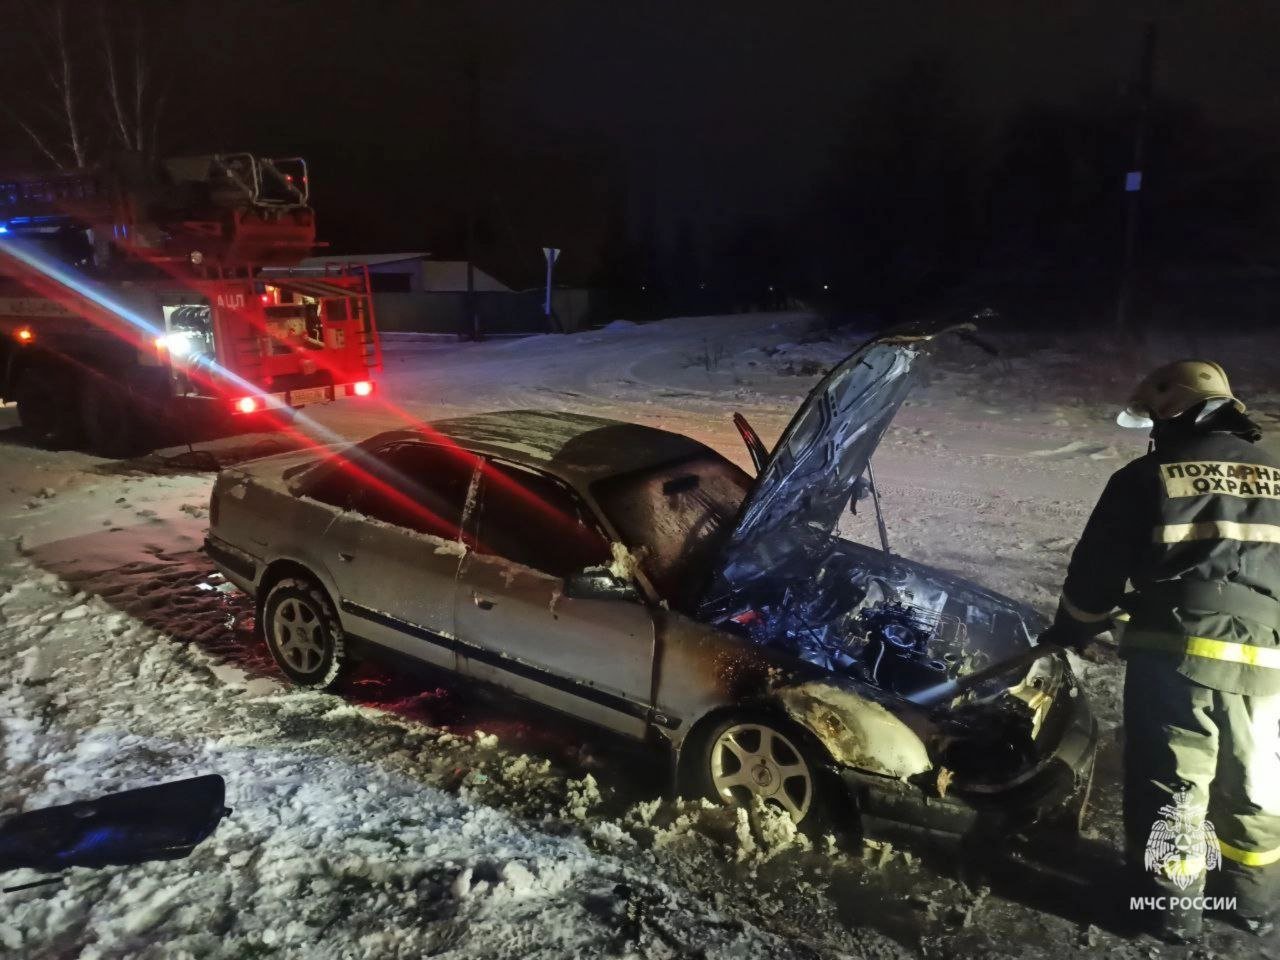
point(303, 634)
point(744, 755)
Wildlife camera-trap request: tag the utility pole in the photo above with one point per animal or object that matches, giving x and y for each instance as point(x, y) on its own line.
point(1126, 322)
point(473, 314)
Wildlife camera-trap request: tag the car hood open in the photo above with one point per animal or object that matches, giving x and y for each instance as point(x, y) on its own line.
point(808, 479)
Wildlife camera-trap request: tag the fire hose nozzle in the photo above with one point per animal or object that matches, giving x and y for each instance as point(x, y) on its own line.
point(951, 689)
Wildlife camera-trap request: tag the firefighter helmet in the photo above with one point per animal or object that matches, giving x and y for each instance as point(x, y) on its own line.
point(1175, 388)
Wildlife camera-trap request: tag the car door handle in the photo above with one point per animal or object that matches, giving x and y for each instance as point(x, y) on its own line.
point(484, 603)
point(346, 557)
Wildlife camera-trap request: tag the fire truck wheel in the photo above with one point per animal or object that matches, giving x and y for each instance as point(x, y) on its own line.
point(109, 420)
point(47, 407)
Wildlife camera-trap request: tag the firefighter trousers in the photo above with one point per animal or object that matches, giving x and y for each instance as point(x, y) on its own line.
point(1223, 749)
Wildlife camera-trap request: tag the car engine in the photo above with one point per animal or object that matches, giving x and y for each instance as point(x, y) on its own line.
point(900, 628)
point(892, 635)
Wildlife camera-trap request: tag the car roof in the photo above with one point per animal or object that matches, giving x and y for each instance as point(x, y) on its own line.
point(578, 448)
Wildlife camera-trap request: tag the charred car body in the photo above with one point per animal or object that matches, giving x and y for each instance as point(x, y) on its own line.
point(637, 579)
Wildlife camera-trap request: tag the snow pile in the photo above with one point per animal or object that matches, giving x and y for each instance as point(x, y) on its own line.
point(582, 798)
point(753, 834)
point(769, 830)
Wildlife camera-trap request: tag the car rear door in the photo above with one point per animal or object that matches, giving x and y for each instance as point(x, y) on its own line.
point(591, 658)
point(397, 544)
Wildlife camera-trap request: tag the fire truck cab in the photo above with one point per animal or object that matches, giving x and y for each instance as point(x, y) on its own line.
point(137, 295)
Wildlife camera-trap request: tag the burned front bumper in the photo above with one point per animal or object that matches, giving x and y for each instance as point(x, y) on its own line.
point(1055, 790)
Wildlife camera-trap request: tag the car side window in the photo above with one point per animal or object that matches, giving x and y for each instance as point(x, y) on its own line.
point(418, 486)
point(337, 487)
point(533, 520)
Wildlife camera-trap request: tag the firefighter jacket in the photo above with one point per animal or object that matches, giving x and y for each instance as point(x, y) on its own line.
point(1194, 526)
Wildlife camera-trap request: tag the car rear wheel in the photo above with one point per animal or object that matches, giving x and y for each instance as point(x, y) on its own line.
point(742, 756)
point(303, 634)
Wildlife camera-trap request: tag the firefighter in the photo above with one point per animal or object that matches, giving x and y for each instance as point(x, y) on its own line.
point(1194, 526)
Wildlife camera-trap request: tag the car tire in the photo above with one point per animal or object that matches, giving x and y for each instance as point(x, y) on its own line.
point(748, 753)
point(109, 419)
point(303, 634)
point(46, 406)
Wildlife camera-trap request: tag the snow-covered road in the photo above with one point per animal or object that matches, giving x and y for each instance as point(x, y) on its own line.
point(410, 817)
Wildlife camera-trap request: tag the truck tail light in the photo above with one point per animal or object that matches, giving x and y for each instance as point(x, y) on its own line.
point(24, 335)
point(362, 388)
point(247, 405)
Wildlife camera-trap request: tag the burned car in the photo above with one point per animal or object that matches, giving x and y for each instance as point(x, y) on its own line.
point(638, 580)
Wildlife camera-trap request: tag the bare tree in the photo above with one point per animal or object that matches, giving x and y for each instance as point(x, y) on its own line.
point(135, 108)
point(100, 87)
point(55, 122)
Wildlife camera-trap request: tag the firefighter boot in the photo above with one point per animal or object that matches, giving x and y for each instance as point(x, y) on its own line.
point(1180, 925)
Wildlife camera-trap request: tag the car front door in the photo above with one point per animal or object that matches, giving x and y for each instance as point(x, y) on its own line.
point(397, 544)
point(588, 657)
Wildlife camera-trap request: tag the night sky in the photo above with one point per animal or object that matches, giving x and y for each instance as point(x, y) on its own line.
point(586, 114)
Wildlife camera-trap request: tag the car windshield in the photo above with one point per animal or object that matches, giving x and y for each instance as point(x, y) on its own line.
point(672, 518)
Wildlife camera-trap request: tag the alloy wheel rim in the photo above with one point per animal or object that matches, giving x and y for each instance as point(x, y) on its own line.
point(299, 635)
point(751, 758)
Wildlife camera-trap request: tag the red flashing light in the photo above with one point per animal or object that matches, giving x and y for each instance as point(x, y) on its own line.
point(25, 335)
point(247, 405)
point(266, 298)
point(362, 388)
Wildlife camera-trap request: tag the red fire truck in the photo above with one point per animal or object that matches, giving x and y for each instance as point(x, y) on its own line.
point(138, 296)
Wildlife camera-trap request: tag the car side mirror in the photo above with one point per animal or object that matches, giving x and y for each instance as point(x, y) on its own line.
point(597, 583)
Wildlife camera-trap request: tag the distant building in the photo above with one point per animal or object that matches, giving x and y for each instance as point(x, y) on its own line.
point(414, 273)
point(413, 293)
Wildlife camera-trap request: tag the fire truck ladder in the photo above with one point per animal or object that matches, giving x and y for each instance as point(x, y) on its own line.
point(237, 180)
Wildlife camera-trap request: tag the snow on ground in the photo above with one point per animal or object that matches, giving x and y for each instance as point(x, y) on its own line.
point(355, 832)
point(409, 816)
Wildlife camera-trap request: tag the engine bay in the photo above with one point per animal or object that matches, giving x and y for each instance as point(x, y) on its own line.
point(892, 632)
point(894, 626)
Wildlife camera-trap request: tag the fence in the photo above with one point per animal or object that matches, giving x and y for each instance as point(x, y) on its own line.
point(499, 313)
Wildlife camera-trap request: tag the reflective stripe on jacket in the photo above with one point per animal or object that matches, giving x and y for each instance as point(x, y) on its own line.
point(1202, 511)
